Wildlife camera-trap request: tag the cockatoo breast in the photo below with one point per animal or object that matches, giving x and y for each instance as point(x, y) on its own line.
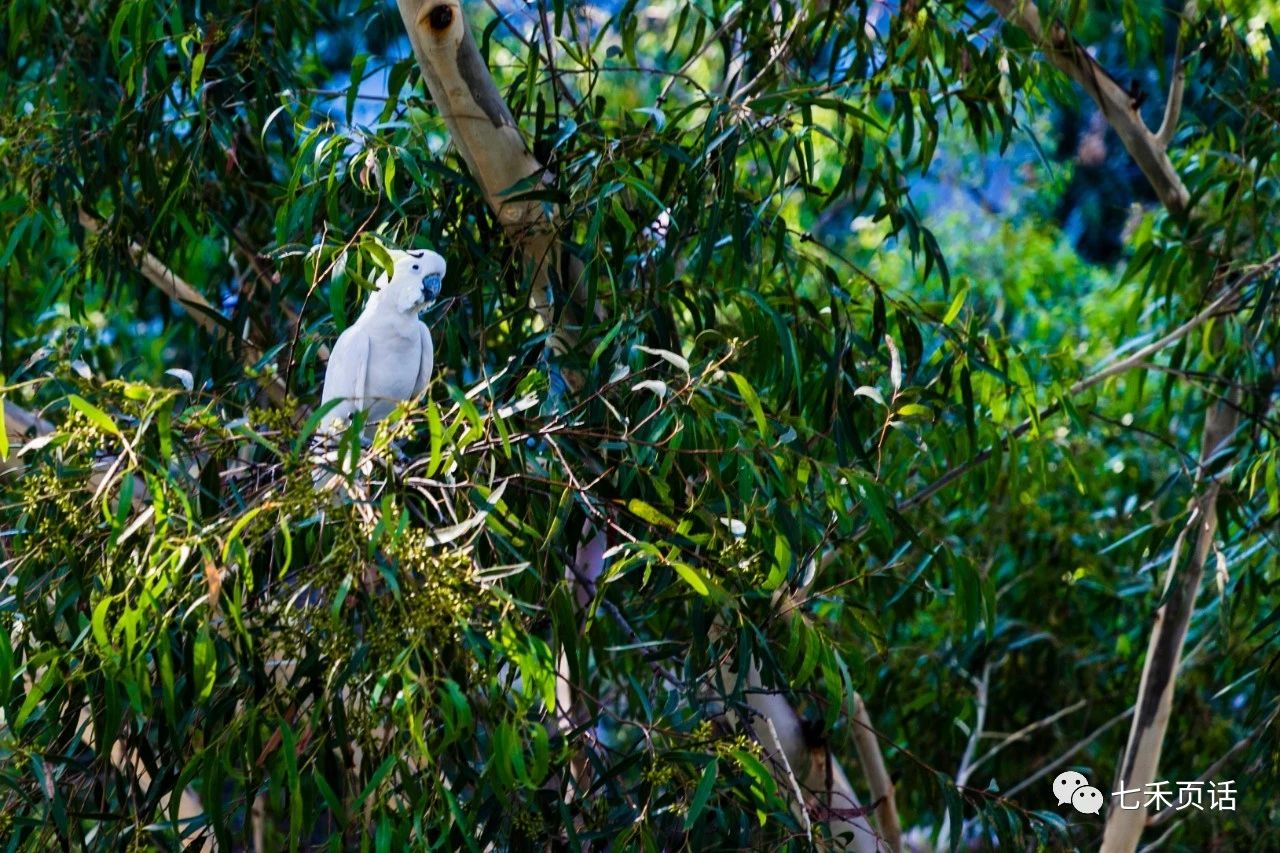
point(403, 349)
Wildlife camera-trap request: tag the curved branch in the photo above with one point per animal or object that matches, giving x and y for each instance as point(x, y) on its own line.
point(1117, 105)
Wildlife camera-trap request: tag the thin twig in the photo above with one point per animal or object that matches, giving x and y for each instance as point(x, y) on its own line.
point(1022, 733)
point(1097, 733)
point(1062, 759)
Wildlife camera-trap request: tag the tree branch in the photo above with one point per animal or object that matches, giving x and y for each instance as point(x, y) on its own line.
point(865, 737)
point(1141, 756)
point(776, 724)
point(1117, 105)
point(1177, 84)
point(204, 314)
point(1155, 692)
point(870, 756)
point(1022, 733)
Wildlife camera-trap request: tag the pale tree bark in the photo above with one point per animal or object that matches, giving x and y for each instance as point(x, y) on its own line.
point(1140, 761)
point(582, 577)
point(819, 786)
point(867, 741)
point(486, 136)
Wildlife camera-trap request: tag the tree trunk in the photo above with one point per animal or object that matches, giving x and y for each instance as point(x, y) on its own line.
point(486, 135)
point(1164, 651)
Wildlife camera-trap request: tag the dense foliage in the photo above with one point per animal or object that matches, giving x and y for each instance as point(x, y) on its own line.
point(850, 260)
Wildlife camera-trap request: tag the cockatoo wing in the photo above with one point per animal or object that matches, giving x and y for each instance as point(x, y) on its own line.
point(426, 360)
point(347, 375)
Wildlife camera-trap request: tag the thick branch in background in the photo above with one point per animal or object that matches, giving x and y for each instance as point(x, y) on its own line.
point(871, 757)
point(486, 135)
point(1117, 105)
point(866, 739)
point(818, 782)
point(18, 422)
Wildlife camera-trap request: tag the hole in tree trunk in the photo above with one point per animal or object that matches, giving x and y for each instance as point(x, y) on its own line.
point(440, 18)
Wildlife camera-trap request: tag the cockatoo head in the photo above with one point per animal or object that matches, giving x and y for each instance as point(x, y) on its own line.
point(416, 282)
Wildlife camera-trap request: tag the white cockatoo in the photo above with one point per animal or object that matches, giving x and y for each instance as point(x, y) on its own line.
point(385, 357)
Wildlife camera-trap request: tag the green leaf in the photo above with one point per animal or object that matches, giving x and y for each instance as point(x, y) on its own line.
point(353, 87)
point(752, 400)
point(914, 410)
point(387, 765)
point(96, 416)
point(205, 664)
point(381, 257)
point(760, 775)
point(289, 750)
point(35, 695)
point(237, 529)
point(700, 795)
point(287, 536)
point(957, 302)
point(650, 514)
point(436, 429)
point(197, 71)
point(6, 668)
point(99, 623)
point(692, 577)
point(955, 812)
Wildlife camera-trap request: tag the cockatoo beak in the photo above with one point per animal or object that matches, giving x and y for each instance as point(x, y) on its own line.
point(430, 288)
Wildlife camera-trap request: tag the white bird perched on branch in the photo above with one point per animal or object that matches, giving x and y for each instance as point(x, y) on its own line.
point(385, 357)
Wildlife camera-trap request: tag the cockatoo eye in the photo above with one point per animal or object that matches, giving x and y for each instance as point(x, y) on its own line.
point(415, 266)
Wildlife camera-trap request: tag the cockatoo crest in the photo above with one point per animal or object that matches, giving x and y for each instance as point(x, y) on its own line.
point(416, 283)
